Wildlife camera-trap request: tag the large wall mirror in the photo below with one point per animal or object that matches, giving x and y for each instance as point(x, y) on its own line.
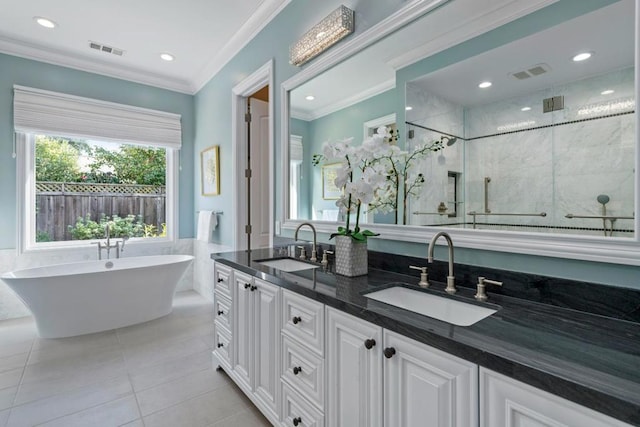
point(544, 155)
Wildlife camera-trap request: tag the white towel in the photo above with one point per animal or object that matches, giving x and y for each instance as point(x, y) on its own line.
point(207, 222)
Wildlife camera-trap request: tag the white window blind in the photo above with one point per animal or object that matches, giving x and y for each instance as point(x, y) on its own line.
point(59, 114)
point(295, 149)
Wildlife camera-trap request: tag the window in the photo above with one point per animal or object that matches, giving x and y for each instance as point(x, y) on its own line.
point(86, 163)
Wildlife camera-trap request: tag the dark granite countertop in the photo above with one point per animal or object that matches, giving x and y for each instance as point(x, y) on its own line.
point(591, 359)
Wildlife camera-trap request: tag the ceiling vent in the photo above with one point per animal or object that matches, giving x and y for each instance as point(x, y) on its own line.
point(533, 71)
point(106, 49)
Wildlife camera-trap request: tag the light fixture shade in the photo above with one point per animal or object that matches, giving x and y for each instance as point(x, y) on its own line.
point(337, 25)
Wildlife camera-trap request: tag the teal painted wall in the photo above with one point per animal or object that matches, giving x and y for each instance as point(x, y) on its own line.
point(213, 101)
point(345, 123)
point(19, 71)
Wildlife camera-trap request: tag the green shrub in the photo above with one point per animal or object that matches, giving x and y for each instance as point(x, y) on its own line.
point(42, 236)
point(129, 226)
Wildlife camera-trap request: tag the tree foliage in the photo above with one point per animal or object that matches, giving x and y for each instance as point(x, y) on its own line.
point(133, 164)
point(57, 159)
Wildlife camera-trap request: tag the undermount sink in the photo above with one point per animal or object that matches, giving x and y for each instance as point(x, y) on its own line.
point(287, 264)
point(441, 308)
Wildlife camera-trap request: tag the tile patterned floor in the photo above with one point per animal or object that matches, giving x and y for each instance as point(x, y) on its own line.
point(154, 374)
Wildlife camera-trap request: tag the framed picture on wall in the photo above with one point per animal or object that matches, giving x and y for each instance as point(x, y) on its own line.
point(329, 174)
point(210, 170)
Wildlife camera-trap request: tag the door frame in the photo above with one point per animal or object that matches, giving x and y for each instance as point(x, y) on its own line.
point(248, 86)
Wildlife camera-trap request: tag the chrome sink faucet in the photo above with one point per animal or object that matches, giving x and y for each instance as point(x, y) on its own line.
point(118, 245)
point(314, 254)
point(451, 280)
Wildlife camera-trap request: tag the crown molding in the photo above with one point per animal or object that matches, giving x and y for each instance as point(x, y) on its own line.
point(62, 58)
point(344, 103)
point(268, 10)
point(489, 20)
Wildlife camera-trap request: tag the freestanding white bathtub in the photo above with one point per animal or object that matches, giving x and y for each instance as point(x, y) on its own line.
point(93, 296)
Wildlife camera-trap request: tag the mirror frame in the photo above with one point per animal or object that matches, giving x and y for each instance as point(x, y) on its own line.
point(613, 250)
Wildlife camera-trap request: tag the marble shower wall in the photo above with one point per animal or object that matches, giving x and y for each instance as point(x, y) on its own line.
point(554, 168)
point(435, 112)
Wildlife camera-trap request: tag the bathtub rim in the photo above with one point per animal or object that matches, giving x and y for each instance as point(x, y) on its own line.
point(178, 258)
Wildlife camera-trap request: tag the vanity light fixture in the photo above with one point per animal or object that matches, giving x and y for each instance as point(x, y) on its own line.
point(484, 85)
point(607, 92)
point(47, 23)
point(582, 56)
point(309, 97)
point(525, 109)
point(337, 25)
point(167, 56)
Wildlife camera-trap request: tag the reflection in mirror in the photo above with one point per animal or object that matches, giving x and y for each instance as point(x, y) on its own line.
point(549, 146)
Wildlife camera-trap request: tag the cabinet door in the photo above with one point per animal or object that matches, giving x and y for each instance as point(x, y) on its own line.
point(243, 328)
point(510, 403)
point(424, 386)
point(267, 344)
point(354, 369)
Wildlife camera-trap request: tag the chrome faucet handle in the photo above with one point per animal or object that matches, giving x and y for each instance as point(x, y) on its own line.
point(424, 282)
point(303, 252)
point(124, 240)
point(325, 259)
point(481, 294)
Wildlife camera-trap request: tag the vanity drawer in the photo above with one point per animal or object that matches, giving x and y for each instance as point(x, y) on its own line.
point(303, 370)
point(222, 279)
point(222, 344)
point(303, 319)
point(222, 310)
point(297, 411)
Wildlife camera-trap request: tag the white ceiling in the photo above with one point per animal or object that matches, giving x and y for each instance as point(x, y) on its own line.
point(203, 35)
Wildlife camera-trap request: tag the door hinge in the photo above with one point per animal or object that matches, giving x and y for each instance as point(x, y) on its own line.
point(247, 229)
point(247, 117)
point(247, 173)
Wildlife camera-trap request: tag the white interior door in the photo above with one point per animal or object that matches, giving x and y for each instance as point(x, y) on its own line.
point(259, 174)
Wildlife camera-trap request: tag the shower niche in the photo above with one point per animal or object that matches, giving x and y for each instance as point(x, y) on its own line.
point(548, 147)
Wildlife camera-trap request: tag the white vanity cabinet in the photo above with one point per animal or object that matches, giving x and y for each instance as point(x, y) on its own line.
point(250, 352)
point(222, 324)
point(257, 331)
point(354, 371)
point(303, 374)
point(505, 402)
point(307, 365)
point(377, 377)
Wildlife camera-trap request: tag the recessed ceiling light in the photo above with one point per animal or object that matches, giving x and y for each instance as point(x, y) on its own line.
point(309, 97)
point(408, 108)
point(607, 92)
point(525, 109)
point(582, 56)
point(167, 56)
point(484, 85)
point(47, 23)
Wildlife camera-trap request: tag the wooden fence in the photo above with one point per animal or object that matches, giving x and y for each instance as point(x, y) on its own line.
point(60, 204)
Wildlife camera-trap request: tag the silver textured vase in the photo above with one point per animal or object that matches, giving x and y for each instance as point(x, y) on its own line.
point(351, 257)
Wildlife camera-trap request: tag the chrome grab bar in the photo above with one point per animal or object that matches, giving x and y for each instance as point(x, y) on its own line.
point(475, 214)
